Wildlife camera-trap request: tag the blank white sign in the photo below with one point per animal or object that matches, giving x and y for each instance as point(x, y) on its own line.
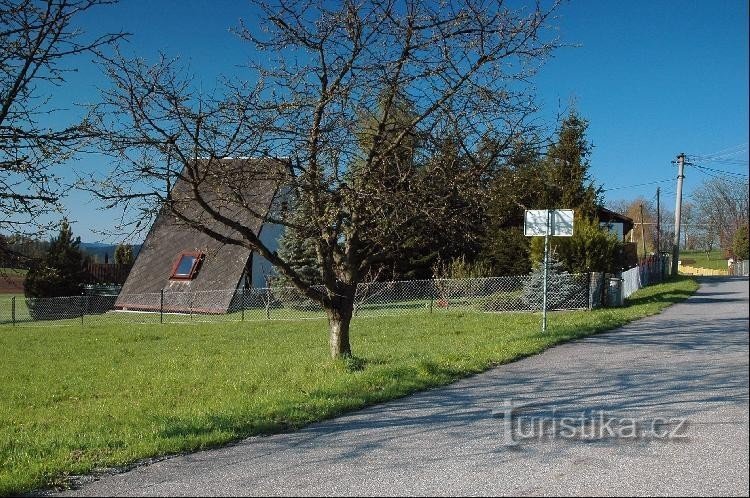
point(561, 223)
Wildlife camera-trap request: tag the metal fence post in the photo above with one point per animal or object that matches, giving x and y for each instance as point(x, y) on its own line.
point(591, 293)
point(544, 283)
point(432, 293)
point(268, 303)
point(242, 305)
point(80, 307)
point(161, 308)
point(13, 310)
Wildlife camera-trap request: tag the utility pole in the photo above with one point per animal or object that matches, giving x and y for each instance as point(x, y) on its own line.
point(677, 214)
point(643, 236)
point(546, 265)
point(658, 235)
point(658, 223)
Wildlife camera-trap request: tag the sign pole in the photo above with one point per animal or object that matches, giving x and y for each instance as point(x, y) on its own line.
point(547, 223)
point(546, 258)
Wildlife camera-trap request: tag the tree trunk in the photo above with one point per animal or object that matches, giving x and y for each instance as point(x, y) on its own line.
point(339, 318)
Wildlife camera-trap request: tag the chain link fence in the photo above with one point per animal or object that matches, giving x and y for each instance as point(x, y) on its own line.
point(649, 272)
point(740, 268)
point(486, 295)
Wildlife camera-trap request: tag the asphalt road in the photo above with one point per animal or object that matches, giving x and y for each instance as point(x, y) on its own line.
point(658, 407)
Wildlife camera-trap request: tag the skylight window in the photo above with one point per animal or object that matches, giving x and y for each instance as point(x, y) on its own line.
point(187, 265)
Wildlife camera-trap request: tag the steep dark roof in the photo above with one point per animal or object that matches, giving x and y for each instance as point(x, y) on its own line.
point(608, 216)
point(240, 189)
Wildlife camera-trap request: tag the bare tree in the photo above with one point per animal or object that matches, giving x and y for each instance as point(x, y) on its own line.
point(349, 97)
point(37, 37)
point(722, 206)
point(644, 230)
point(687, 225)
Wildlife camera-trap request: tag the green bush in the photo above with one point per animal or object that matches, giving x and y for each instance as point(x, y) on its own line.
point(60, 271)
point(561, 286)
point(740, 245)
point(124, 254)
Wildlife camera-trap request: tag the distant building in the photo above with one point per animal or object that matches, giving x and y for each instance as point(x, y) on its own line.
point(617, 223)
point(176, 257)
point(620, 225)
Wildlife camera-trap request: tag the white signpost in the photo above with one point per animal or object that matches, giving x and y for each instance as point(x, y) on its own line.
point(546, 223)
point(543, 222)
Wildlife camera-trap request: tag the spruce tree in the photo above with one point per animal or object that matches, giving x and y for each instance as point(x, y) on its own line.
point(452, 213)
point(518, 184)
point(297, 246)
point(561, 287)
point(568, 185)
point(567, 168)
point(60, 271)
point(393, 174)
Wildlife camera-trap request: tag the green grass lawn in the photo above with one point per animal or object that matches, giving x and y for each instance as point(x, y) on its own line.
point(13, 272)
point(715, 259)
point(5, 306)
point(75, 399)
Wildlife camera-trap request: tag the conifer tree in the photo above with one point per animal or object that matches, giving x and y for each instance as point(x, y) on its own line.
point(297, 246)
point(560, 286)
point(567, 168)
point(60, 271)
point(518, 184)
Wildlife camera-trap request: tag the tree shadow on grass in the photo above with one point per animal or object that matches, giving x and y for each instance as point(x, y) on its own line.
point(687, 364)
point(668, 296)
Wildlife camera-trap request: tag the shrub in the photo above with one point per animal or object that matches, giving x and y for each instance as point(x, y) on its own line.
point(740, 246)
point(561, 287)
point(124, 254)
point(60, 271)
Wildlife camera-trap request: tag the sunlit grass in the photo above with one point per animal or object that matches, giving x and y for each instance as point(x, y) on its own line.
point(714, 260)
point(79, 398)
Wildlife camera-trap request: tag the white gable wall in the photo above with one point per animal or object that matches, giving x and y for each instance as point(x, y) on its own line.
point(269, 235)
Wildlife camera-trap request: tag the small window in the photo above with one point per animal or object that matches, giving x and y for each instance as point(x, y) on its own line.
point(186, 266)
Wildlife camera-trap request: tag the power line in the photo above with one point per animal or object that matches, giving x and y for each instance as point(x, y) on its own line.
point(729, 162)
point(709, 174)
point(638, 185)
point(718, 170)
point(724, 152)
point(718, 159)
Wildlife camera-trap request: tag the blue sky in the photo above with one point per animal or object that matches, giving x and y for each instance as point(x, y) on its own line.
point(654, 78)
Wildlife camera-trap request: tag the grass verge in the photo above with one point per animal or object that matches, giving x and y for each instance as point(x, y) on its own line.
point(79, 399)
point(715, 260)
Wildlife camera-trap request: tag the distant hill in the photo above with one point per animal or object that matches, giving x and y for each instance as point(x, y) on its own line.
point(98, 250)
point(30, 249)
